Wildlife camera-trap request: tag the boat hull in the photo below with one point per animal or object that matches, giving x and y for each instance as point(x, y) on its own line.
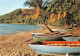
point(71, 38)
point(37, 34)
point(49, 38)
point(55, 49)
point(46, 38)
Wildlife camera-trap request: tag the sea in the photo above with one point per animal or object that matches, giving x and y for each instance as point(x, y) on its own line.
point(8, 29)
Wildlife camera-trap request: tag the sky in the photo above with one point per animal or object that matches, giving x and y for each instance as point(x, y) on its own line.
point(6, 6)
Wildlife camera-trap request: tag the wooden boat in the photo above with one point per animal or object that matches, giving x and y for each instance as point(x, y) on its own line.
point(51, 47)
point(49, 37)
point(71, 38)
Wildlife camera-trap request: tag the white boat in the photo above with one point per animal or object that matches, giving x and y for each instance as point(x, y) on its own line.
point(48, 37)
point(56, 47)
point(60, 30)
point(37, 34)
point(71, 38)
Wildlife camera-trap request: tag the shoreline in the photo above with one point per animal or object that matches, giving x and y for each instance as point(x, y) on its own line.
point(16, 32)
point(18, 44)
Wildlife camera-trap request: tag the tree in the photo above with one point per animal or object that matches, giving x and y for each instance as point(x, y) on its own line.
point(57, 9)
point(32, 3)
point(41, 3)
point(64, 9)
point(39, 10)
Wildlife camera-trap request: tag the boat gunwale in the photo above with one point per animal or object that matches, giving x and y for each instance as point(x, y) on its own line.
point(71, 37)
point(58, 36)
point(54, 46)
point(58, 43)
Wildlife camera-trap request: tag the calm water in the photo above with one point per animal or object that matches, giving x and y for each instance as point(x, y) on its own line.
point(7, 29)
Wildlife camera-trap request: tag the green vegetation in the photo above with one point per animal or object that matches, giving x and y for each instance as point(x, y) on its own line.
point(16, 18)
point(71, 9)
point(56, 12)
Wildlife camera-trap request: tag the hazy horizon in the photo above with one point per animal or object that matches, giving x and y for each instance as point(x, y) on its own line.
point(7, 6)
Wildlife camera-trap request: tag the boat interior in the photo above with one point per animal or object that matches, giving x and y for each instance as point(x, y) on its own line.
point(48, 34)
point(68, 35)
point(59, 43)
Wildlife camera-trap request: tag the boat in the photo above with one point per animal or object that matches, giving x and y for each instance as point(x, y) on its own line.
point(71, 38)
point(34, 34)
point(48, 37)
point(51, 47)
point(62, 30)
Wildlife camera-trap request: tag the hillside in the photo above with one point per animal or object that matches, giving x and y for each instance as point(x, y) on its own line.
point(15, 17)
point(23, 16)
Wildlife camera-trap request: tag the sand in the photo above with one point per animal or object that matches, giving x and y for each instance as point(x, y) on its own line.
point(18, 44)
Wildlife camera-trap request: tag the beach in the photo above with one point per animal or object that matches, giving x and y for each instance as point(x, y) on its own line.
point(18, 44)
point(58, 19)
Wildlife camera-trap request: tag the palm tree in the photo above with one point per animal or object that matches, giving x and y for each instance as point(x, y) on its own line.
point(39, 10)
